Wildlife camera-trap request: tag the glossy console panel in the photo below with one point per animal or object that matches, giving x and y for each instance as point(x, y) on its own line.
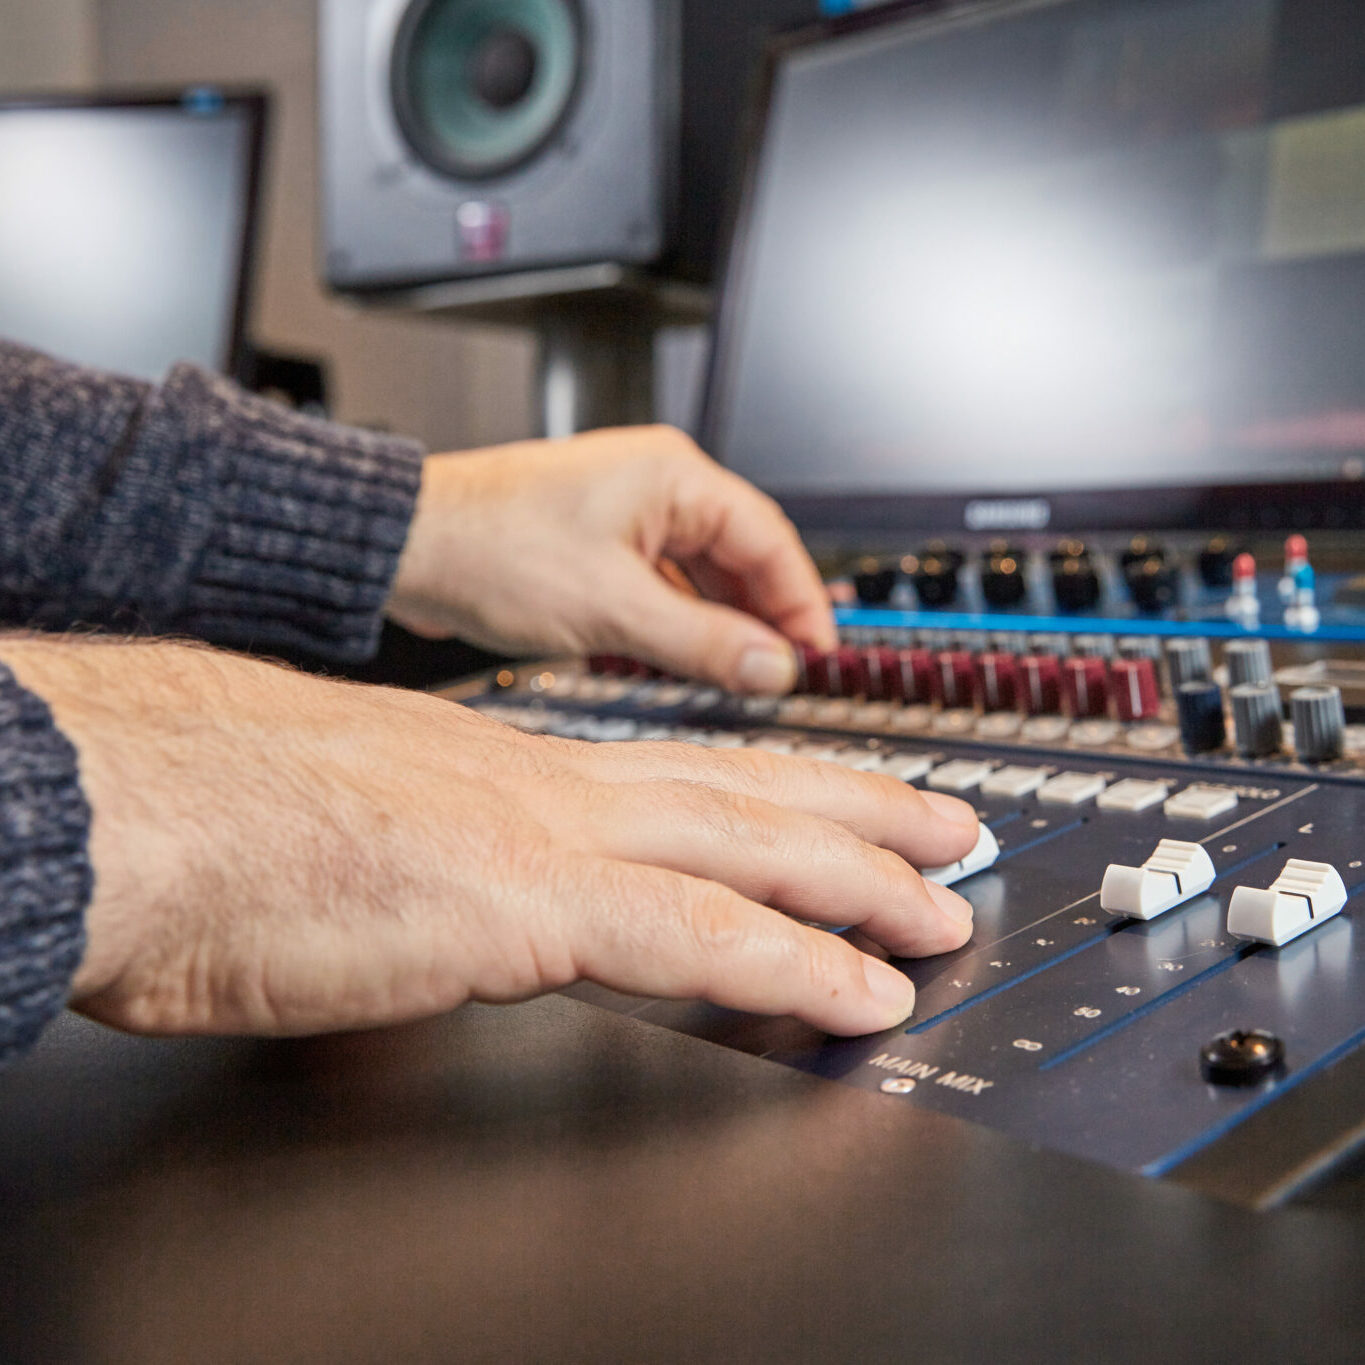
point(1059, 1023)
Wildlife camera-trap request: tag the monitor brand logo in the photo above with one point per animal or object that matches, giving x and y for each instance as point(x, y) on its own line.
point(1008, 514)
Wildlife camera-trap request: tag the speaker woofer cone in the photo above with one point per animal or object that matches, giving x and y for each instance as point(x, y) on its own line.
point(480, 86)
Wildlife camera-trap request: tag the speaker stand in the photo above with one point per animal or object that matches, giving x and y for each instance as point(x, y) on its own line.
point(596, 367)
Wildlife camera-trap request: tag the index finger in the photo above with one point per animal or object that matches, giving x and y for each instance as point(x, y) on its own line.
point(739, 547)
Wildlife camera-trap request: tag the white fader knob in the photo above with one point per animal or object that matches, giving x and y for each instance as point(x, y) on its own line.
point(1299, 899)
point(1172, 875)
point(984, 852)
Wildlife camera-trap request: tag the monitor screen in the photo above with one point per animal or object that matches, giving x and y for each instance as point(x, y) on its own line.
point(1044, 247)
point(124, 228)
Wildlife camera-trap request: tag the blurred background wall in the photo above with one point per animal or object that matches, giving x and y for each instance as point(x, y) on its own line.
point(451, 385)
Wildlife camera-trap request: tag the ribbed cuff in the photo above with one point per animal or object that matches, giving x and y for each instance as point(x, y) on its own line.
point(308, 521)
point(45, 874)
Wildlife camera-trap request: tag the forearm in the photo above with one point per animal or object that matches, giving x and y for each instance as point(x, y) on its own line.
point(192, 508)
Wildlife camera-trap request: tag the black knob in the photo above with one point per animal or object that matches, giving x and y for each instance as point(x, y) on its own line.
point(1068, 549)
point(1256, 719)
point(1188, 660)
point(935, 580)
point(1002, 576)
point(1154, 583)
point(1319, 723)
point(1241, 1057)
point(1202, 729)
point(1075, 584)
point(874, 582)
point(1215, 562)
point(1140, 549)
point(1248, 661)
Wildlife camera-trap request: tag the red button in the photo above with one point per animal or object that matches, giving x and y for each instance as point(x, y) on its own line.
point(997, 677)
point(1085, 685)
point(1040, 691)
point(1134, 684)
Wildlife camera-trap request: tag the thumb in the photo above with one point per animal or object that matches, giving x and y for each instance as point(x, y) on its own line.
point(685, 634)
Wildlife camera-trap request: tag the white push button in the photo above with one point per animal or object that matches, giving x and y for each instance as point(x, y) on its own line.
point(907, 767)
point(1071, 789)
point(1200, 803)
point(1013, 780)
point(861, 760)
point(1173, 874)
point(961, 775)
point(984, 852)
point(1299, 899)
point(1132, 794)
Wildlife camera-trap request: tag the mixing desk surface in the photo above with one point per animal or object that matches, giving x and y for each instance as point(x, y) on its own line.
point(1164, 947)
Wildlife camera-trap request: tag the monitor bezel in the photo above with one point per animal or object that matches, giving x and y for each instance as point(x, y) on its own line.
point(1330, 504)
point(253, 103)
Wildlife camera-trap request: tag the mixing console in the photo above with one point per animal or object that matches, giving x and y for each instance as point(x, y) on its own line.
point(1164, 894)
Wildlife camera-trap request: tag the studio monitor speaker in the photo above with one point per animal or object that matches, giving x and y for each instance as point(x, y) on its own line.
point(474, 138)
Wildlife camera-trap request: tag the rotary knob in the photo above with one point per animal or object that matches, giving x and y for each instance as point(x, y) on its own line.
point(881, 673)
point(955, 677)
point(1002, 576)
point(1215, 562)
point(1093, 646)
point(874, 582)
point(1154, 584)
point(1202, 727)
point(1188, 660)
point(1084, 684)
point(1040, 684)
point(1248, 661)
point(1319, 723)
point(997, 677)
point(916, 668)
point(1139, 647)
point(1136, 694)
point(1256, 723)
point(1075, 584)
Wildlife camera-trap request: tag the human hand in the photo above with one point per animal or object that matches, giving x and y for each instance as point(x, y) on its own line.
point(566, 547)
point(277, 853)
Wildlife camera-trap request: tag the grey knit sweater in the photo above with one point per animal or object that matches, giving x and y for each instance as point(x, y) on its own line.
point(189, 508)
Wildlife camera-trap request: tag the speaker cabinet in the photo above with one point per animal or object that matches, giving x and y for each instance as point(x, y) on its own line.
point(467, 139)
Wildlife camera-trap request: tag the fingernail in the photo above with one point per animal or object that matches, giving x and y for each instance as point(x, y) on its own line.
point(952, 905)
point(891, 989)
point(951, 808)
point(766, 668)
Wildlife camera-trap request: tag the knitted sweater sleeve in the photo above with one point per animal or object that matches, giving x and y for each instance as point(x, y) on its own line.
point(45, 878)
point(192, 508)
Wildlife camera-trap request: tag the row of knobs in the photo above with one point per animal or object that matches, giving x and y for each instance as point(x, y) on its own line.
point(1090, 685)
point(1316, 713)
point(1152, 577)
point(997, 680)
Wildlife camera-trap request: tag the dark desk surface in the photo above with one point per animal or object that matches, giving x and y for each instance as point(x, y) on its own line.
point(553, 1182)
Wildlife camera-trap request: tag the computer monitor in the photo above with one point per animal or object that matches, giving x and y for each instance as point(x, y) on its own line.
point(1055, 263)
point(126, 227)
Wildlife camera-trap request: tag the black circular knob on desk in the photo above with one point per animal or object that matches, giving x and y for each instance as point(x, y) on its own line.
point(1002, 577)
point(1188, 660)
point(1215, 562)
point(1319, 723)
point(1248, 661)
point(1154, 584)
point(1256, 724)
point(1075, 584)
point(1241, 1057)
point(874, 582)
point(935, 581)
point(1200, 704)
point(1140, 549)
